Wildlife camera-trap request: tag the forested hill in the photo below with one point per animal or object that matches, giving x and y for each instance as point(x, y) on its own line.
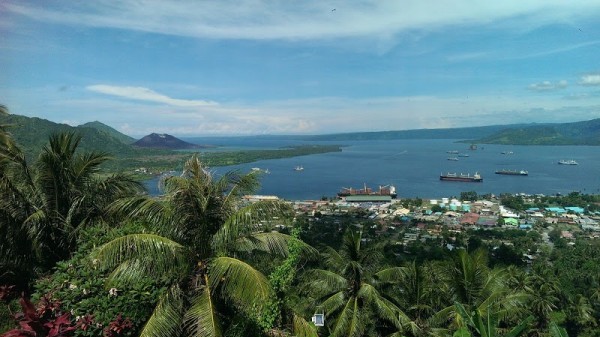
point(577, 133)
point(109, 131)
point(32, 133)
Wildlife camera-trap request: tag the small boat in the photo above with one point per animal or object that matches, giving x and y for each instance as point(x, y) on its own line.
point(463, 155)
point(453, 158)
point(567, 162)
point(507, 152)
point(259, 170)
point(512, 172)
point(452, 152)
point(299, 168)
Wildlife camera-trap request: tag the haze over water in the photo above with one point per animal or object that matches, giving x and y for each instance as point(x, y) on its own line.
point(414, 166)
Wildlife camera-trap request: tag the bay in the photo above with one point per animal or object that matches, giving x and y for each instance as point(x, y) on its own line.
point(413, 166)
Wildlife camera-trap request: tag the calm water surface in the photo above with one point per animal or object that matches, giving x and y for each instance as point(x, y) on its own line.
point(414, 166)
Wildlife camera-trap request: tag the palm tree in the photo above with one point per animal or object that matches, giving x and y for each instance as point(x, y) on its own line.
point(543, 291)
point(486, 326)
point(418, 291)
point(479, 289)
point(201, 238)
point(44, 205)
point(347, 291)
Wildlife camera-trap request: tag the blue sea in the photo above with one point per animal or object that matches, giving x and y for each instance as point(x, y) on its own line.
point(414, 167)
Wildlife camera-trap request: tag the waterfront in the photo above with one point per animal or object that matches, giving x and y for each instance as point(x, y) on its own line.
point(414, 166)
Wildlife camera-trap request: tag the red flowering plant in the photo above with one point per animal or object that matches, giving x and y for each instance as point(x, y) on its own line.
point(45, 320)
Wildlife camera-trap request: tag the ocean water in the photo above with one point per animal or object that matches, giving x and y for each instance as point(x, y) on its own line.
point(414, 167)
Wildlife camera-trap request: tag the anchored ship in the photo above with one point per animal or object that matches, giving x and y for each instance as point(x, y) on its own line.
point(383, 190)
point(513, 172)
point(461, 177)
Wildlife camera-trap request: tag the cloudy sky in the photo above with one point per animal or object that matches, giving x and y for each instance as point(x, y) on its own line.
point(300, 67)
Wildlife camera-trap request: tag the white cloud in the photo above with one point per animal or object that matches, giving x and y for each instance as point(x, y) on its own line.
point(590, 80)
point(145, 94)
point(548, 86)
point(300, 116)
point(261, 19)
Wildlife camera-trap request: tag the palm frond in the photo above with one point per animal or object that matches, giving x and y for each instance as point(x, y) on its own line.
point(385, 308)
point(333, 259)
point(140, 207)
point(166, 318)
point(333, 303)
point(163, 256)
point(202, 319)
point(87, 164)
point(349, 322)
point(272, 243)
point(303, 328)
point(247, 220)
point(239, 281)
point(320, 282)
point(391, 275)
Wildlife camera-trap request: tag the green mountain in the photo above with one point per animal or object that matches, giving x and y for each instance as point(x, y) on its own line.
point(32, 134)
point(109, 131)
point(577, 133)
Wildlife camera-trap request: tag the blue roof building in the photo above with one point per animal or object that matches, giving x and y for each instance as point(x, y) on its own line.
point(577, 210)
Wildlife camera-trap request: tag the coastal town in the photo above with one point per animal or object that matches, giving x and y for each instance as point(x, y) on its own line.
point(449, 221)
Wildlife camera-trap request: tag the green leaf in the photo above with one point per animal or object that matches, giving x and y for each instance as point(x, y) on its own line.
point(239, 281)
point(557, 331)
point(201, 320)
point(462, 332)
point(303, 328)
point(167, 316)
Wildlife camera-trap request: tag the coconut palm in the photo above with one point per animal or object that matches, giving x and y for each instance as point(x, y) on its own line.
point(43, 205)
point(479, 289)
point(487, 326)
point(200, 240)
point(419, 291)
point(347, 291)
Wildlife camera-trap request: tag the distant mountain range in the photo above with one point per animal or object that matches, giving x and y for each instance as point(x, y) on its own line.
point(577, 133)
point(32, 134)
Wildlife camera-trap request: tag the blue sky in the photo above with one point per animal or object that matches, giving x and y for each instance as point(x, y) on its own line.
point(206, 68)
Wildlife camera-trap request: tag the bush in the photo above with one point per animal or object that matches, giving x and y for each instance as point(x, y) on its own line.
point(80, 285)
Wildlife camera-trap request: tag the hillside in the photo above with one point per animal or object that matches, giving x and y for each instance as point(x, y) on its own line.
point(577, 133)
point(164, 141)
point(109, 131)
point(32, 134)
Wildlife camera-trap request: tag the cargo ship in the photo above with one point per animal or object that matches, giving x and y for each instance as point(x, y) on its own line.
point(513, 172)
point(383, 190)
point(461, 177)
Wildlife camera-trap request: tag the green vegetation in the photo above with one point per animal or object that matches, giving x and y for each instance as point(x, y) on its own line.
point(579, 133)
point(86, 254)
point(32, 134)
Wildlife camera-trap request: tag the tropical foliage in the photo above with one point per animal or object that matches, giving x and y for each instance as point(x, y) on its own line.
point(44, 204)
point(92, 255)
point(347, 291)
point(200, 237)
